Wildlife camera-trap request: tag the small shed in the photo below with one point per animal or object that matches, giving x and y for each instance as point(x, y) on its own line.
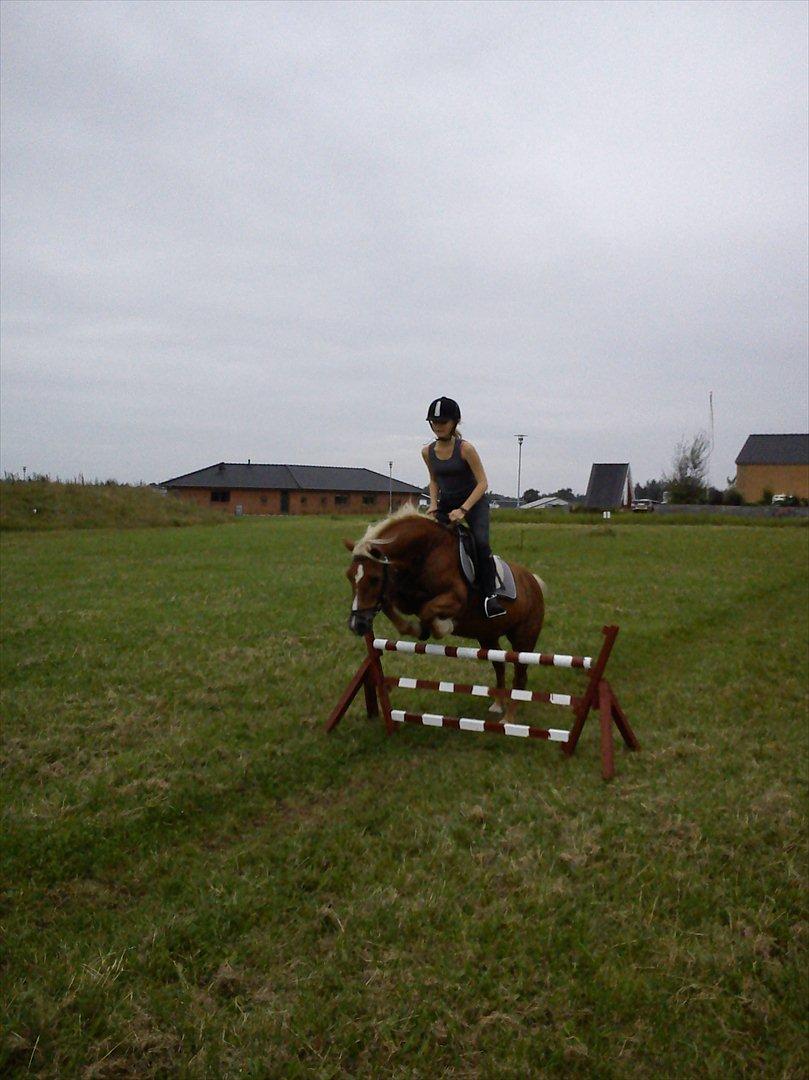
point(609, 487)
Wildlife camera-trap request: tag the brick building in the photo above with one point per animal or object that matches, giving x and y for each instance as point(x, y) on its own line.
point(237, 488)
point(775, 463)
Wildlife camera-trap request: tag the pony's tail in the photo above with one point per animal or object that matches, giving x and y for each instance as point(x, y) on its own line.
point(543, 588)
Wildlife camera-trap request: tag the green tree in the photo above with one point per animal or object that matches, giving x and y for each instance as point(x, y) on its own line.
point(686, 482)
point(652, 489)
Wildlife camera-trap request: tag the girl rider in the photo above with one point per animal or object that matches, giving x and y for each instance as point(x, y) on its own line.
point(458, 490)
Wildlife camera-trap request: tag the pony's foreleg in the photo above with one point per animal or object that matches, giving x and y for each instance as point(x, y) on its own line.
point(405, 624)
point(518, 683)
point(440, 613)
point(496, 706)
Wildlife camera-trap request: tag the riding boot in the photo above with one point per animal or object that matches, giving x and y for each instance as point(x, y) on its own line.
point(491, 605)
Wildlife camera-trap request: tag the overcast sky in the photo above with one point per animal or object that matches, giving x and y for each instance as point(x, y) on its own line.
point(276, 231)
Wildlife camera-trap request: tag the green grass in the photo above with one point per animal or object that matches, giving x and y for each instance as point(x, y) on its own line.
point(200, 882)
point(42, 505)
point(622, 518)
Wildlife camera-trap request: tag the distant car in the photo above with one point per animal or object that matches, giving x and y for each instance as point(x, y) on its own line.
point(784, 500)
point(642, 506)
point(494, 506)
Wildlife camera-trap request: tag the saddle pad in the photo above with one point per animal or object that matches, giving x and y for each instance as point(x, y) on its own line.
point(466, 561)
point(504, 583)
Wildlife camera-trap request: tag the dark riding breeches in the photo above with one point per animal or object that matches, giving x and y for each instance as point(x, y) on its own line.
point(478, 522)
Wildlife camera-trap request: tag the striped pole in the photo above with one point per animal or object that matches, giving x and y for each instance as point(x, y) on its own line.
point(465, 723)
point(495, 655)
point(482, 691)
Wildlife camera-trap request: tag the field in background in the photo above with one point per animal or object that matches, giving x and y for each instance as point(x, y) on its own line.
point(753, 516)
point(42, 505)
point(200, 883)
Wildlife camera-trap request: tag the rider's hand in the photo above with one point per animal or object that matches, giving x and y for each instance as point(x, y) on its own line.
point(456, 515)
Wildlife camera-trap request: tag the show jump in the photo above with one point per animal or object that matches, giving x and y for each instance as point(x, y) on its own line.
point(597, 694)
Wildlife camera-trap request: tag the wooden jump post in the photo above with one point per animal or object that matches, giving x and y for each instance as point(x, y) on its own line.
point(598, 694)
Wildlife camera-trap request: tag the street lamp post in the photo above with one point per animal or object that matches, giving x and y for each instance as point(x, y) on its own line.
point(390, 487)
point(519, 439)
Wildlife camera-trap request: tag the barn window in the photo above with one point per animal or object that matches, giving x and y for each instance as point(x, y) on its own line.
point(303, 500)
point(263, 498)
point(220, 496)
point(340, 500)
point(368, 500)
point(323, 500)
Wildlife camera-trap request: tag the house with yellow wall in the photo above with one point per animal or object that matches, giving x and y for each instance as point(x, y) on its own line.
point(775, 463)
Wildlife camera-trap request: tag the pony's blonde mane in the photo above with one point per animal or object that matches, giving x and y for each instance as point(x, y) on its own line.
point(373, 534)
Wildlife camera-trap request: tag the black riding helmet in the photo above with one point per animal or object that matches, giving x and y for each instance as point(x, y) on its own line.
point(444, 408)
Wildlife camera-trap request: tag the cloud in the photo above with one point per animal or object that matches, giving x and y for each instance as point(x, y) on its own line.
point(278, 230)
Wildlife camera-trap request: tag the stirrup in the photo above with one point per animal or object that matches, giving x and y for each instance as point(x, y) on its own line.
point(492, 607)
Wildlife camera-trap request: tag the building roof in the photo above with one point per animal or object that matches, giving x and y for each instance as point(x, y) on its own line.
point(775, 450)
point(289, 478)
point(547, 502)
point(607, 487)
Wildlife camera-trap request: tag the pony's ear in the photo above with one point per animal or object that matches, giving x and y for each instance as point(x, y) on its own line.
point(349, 545)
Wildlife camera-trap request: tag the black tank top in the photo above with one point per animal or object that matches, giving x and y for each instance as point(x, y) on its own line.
point(454, 477)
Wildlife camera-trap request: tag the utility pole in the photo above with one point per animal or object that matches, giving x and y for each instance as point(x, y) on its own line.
point(519, 439)
point(390, 487)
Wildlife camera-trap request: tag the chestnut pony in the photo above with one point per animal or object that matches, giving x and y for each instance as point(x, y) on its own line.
point(408, 567)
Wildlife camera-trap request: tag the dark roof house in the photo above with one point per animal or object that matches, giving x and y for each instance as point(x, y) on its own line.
point(305, 489)
point(288, 478)
point(609, 487)
point(775, 450)
point(770, 465)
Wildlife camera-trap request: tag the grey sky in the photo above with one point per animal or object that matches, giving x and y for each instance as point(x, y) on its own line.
point(276, 231)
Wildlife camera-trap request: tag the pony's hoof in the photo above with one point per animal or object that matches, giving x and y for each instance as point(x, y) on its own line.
point(496, 709)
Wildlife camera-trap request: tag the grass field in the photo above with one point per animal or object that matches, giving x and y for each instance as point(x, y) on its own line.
point(200, 883)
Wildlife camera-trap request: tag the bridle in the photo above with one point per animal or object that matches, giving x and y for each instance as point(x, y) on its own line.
point(383, 588)
point(368, 614)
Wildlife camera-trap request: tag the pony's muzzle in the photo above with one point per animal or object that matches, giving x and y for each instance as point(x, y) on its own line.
point(361, 622)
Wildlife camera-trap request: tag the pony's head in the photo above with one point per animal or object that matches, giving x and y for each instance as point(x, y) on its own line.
point(369, 579)
point(374, 557)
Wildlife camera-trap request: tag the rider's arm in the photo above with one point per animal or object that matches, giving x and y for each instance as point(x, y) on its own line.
point(472, 458)
point(425, 453)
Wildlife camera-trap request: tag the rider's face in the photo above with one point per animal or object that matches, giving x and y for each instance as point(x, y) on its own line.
point(442, 428)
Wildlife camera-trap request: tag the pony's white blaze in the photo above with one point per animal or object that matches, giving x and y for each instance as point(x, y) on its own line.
point(355, 603)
